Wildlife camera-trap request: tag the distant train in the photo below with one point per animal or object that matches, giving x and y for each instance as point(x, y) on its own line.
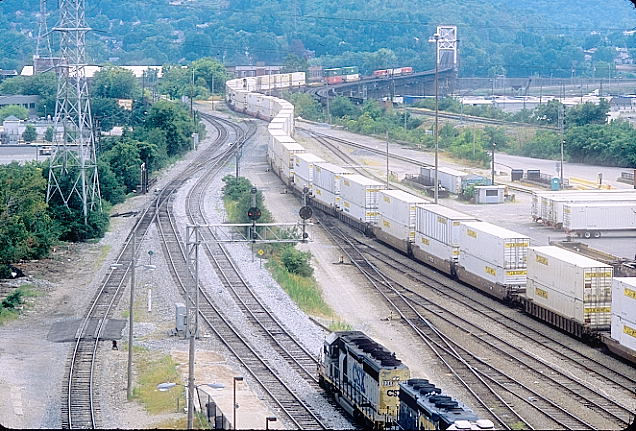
point(488, 257)
point(375, 388)
point(338, 75)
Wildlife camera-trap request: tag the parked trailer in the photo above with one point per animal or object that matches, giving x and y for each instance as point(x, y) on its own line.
point(547, 207)
point(568, 290)
point(493, 259)
point(437, 230)
point(592, 219)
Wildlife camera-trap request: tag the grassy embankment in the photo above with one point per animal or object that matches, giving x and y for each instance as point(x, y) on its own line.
point(300, 285)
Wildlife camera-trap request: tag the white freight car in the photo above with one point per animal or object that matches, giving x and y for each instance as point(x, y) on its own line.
point(304, 169)
point(437, 230)
point(396, 222)
point(359, 197)
point(623, 329)
point(326, 185)
point(493, 259)
point(575, 290)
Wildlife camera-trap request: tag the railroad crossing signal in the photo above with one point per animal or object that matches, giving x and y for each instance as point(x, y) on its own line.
point(254, 213)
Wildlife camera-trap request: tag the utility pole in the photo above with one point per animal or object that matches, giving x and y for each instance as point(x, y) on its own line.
point(492, 169)
point(436, 38)
point(130, 316)
point(74, 151)
point(192, 244)
point(387, 159)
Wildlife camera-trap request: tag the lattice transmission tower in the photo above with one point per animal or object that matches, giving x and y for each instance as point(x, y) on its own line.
point(73, 166)
point(43, 45)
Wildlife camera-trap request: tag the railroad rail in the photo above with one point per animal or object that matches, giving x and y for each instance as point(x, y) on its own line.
point(474, 372)
point(480, 120)
point(248, 301)
point(79, 409)
point(289, 405)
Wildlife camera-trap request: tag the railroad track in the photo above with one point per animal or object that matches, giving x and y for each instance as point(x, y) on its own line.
point(288, 404)
point(251, 306)
point(494, 389)
point(479, 120)
point(79, 406)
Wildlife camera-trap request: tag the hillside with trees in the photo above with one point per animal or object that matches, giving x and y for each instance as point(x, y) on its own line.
point(496, 36)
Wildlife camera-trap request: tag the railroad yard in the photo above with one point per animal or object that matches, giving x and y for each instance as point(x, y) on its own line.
point(505, 366)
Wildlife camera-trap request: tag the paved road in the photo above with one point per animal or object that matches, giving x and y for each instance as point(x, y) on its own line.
point(19, 153)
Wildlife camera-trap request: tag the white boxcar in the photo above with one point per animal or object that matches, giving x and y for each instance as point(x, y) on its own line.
point(624, 298)
point(624, 332)
point(495, 244)
point(359, 197)
point(399, 205)
point(327, 176)
point(571, 285)
point(590, 219)
point(304, 169)
point(281, 123)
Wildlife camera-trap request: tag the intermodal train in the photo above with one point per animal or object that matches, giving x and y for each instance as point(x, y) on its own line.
point(485, 256)
point(375, 388)
point(338, 75)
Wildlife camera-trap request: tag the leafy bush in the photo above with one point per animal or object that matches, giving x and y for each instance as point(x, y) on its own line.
point(14, 300)
point(297, 262)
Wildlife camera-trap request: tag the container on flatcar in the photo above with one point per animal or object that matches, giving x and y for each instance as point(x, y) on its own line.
point(352, 77)
point(288, 151)
point(297, 79)
point(326, 185)
point(350, 70)
point(407, 70)
point(623, 326)
point(334, 79)
point(363, 376)
point(333, 71)
point(424, 407)
point(304, 169)
point(493, 259)
point(397, 213)
point(437, 230)
point(491, 243)
point(570, 285)
point(359, 197)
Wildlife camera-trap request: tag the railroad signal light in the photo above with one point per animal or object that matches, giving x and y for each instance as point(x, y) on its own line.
point(254, 213)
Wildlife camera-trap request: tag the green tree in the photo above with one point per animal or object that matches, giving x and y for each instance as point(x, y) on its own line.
point(16, 110)
point(297, 262)
point(115, 83)
point(30, 134)
point(112, 188)
point(108, 114)
point(212, 74)
point(545, 145)
point(48, 135)
point(175, 122)
point(26, 229)
point(306, 107)
point(587, 113)
point(294, 63)
point(125, 162)
point(548, 113)
point(343, 106)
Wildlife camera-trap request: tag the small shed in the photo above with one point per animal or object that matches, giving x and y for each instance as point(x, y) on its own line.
point(489, 194)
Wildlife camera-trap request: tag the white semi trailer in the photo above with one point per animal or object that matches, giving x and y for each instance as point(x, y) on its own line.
point(592, 219)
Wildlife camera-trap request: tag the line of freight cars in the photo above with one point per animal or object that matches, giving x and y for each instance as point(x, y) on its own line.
point(375, 388)
point(490, 258)
point(586, 213)
point(338, 75)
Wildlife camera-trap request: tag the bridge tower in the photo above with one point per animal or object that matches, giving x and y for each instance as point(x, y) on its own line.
point(447, 47)
point(73, 166)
